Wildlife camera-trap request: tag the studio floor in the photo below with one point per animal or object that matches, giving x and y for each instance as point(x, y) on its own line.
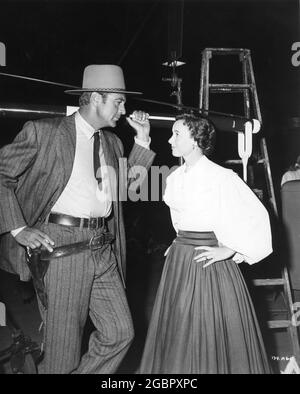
point(22, 311)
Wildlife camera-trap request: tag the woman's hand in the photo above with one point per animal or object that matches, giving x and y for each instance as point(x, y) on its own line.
point(167, 251)
point(238, 258)
point(213, 254)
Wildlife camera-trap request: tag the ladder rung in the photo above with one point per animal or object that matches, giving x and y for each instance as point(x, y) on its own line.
point(269, 282)
point(278, 311)
point(279, 323)
point(229, 87)
point(226, 51)
point(237, 161)
point(226, 90)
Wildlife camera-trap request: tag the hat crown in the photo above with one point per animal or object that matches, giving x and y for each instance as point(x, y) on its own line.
point(103, 76)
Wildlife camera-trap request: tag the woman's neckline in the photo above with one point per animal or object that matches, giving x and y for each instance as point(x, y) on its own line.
point(188, 168)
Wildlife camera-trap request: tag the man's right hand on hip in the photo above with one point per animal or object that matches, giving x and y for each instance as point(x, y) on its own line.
point(34, 238)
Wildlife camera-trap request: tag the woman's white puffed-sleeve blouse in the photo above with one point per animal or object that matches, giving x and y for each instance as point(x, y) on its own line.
point(209, 197)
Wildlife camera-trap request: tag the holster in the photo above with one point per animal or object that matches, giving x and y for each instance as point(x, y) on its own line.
point(38, 259)
point(38, 269)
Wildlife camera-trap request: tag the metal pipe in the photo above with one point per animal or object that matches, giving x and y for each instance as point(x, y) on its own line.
point(26, 111)
point(65, 85)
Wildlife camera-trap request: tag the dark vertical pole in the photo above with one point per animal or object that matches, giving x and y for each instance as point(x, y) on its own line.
point(175, 29)
point(175, 33)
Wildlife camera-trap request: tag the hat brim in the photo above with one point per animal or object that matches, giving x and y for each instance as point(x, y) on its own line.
point(80, 91)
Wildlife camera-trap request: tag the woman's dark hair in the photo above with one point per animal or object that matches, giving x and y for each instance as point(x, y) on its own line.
point(202, 130)
point(296, 165)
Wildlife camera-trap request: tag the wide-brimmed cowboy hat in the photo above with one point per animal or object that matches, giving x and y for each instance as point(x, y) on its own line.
point(105, 78)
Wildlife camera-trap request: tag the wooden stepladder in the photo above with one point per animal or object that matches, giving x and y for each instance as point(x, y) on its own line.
point(248, 92)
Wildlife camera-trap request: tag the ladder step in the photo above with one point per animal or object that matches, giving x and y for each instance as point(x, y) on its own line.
point(237, 161)
point(269, 282)
point(229, 87)
point(279, 323)
point(226, 90)
point(227, 51)
point(278, 311)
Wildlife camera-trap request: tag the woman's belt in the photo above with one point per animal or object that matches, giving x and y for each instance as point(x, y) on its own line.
point(196, 238)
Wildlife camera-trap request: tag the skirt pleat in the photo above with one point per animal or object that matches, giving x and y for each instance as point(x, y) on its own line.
point(203, 320)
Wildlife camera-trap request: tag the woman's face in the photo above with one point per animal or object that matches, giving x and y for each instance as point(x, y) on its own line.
point(181, 141)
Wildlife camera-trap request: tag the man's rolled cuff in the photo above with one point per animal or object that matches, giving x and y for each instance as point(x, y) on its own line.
point(17, 231)
point(144, 144)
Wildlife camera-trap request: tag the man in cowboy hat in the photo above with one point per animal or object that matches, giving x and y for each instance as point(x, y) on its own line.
point(59, 201)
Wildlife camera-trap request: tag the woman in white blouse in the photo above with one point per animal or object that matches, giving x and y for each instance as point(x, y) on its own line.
point(203, 320)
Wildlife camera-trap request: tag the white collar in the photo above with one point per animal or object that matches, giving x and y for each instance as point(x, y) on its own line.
point(86, 128)
point(200, 163)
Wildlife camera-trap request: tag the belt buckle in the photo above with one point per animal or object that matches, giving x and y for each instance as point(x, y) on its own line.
point(97, 241)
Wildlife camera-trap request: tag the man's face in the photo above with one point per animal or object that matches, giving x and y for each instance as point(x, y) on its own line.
point(110, 108)
point(181, 141)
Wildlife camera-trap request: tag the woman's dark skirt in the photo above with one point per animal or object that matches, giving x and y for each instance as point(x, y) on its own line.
point(203, 320)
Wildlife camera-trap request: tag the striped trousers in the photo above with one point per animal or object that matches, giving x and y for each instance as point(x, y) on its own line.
point(87, 282)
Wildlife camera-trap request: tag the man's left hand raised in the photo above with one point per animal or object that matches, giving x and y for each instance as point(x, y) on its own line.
point(139, 120)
